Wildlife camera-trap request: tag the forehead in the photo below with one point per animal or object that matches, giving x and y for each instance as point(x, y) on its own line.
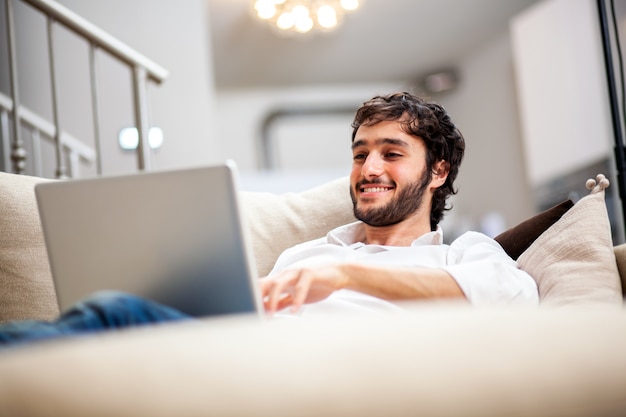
point(384, 132)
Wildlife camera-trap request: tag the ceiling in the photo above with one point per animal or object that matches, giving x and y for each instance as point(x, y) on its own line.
point(384, 41)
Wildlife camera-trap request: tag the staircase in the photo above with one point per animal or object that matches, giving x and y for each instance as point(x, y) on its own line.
point(22, 129)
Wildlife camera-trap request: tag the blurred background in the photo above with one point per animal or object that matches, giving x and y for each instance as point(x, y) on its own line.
point(524, 80)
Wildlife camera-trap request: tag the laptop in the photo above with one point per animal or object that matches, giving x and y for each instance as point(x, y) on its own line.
point(175, 237)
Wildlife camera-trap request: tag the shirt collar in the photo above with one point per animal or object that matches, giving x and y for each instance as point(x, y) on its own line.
point(352, 233)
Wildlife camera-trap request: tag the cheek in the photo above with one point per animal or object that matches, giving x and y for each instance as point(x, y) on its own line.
point(355, 172)
point(354, 178)
point(404, 173)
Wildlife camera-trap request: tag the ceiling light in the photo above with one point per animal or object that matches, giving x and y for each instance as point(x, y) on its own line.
point(303, 15)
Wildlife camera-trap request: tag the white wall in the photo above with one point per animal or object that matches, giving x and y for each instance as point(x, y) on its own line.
point(564, 102)
point(492, 178)
point(562, 88)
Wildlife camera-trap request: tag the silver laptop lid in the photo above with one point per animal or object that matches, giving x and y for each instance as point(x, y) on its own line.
point(175, 237)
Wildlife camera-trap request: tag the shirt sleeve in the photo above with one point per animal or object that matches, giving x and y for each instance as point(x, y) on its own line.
point(486, 274)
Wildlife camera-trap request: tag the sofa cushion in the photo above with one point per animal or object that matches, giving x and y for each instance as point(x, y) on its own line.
point(518, 238)
point(278, 222)
point(26, 288)
point(574, 261)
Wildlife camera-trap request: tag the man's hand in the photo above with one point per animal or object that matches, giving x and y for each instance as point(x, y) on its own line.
point(294, 287)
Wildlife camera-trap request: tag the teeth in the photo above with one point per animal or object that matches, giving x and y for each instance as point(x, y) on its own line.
point(374, 190)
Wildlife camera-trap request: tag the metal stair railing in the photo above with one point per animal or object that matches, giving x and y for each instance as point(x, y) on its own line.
point(143, 69)
point(76, 149)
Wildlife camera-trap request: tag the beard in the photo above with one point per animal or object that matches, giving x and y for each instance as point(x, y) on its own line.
point(407, 202)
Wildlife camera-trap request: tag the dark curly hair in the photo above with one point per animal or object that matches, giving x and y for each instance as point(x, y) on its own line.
point(431, 123)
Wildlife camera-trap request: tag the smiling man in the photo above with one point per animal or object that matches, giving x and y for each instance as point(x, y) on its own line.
point(406, 156)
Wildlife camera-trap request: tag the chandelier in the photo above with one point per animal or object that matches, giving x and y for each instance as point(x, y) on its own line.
point(303, 16)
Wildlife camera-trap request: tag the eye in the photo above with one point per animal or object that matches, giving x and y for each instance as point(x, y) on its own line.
point(359, 156)
point(393, 155)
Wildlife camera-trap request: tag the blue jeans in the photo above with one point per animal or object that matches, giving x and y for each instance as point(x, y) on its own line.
point(102, 312)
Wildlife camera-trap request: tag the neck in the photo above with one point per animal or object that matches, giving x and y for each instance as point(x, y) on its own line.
point(400, 234)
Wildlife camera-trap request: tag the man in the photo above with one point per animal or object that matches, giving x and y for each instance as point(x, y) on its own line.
point(406, 156)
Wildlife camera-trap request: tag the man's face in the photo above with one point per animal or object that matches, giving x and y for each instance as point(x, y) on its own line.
point(389, 181)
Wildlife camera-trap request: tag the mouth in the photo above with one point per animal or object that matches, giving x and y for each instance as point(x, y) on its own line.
point(374, 189)
point(365, 189)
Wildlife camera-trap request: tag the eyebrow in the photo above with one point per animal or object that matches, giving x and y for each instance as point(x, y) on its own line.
point(388, 141)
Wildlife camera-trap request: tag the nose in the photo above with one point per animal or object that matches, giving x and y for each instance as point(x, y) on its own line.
point(373, 166)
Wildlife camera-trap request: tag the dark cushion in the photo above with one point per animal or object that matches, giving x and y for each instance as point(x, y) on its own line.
point(518, 238)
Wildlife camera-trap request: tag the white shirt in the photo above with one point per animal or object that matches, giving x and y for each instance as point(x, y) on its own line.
point(483, 271)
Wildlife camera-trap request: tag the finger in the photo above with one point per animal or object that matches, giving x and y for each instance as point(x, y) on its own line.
point(268, 287)
point(301, 291)
point(283, 302)
point(279, 290)
point(265, 285)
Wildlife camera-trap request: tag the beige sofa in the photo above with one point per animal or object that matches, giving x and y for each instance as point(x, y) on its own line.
point(564, 358)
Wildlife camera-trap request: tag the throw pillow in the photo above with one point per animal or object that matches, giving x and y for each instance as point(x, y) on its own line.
point(278, 222)
point(518, 238)
point(573, 262)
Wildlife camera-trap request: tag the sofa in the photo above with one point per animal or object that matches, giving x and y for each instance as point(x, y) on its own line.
point(565, 357)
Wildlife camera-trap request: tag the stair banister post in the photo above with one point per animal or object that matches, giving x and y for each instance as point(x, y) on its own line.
point(141, 118)
point(61, 170)
point(18, 153)
point(93, 78)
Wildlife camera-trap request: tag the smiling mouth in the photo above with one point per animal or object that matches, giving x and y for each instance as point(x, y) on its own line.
point(374, 189)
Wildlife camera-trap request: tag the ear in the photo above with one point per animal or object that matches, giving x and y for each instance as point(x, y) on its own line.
point(440, 174)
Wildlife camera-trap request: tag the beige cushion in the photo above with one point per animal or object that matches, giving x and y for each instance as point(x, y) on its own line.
point(573, 261)
point(281, 221)
point(26, 289)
